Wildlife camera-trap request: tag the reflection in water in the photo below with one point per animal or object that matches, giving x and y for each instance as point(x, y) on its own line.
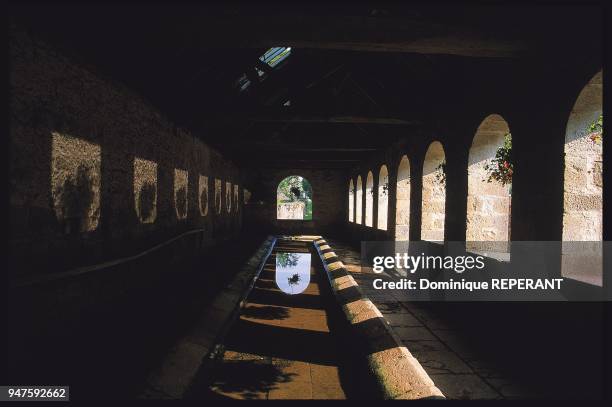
point(292, 272)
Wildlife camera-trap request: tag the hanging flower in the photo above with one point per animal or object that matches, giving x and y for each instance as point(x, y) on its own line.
point(501, 167)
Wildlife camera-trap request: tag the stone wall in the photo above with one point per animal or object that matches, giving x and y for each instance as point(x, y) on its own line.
point(329, 189)
point(402, 203)
point(583, 188)
point(96, 172)
point(488, 203)
point(583, 168)
point(434, 194)
point(369, 200)
point(351, 201)
point(383, 198)
point(359, 196)
point(290, 210)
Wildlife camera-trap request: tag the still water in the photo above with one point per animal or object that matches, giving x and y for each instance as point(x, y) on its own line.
point(292, 272)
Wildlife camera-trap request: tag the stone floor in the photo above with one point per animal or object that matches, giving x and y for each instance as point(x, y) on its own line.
point(456, 368)
point(281, 347)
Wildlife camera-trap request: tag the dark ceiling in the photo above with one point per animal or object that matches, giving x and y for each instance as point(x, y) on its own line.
point(358, 76)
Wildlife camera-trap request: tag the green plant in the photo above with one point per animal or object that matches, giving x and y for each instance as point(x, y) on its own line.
point(501, 168)
point(385, 188)
point(296, 189)
point(286, 259)
point(595, 130)
point(440, 172)
point(294, 279)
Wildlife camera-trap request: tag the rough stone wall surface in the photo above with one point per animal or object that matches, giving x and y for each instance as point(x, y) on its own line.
point(382, 218)
point(351, 202)
point(369, 200)
point(290, 210)
point(583, 181)
point(434, 195)
point(97, 173)
point(583, 188)
point(402, 202)
point(359, 201)
point(488, 203)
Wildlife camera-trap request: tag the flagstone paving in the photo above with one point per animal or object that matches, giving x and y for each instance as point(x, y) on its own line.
point(456, 368)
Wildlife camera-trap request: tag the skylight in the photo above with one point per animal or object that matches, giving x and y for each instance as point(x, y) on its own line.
point(275, 55)
point(243, 82)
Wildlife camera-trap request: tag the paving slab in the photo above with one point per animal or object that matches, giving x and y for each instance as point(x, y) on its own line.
point(455, 367)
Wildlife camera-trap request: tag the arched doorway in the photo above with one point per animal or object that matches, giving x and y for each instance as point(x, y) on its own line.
point(351, 202)
point(358, 201)
point(583, 184)
point(369, 200)
point(294, 199)
point(402, 211)
point(490, 170)
point(383, 198)
point(434, 193)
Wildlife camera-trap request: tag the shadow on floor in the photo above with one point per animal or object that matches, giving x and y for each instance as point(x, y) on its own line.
point(248, 379)
point(265, 312)
point(283, 346)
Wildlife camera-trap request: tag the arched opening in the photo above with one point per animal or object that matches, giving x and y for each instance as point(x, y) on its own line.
point(203, 194)
point(294, 199)
point(228, 196)
point(434, 193)
point(383, 198)
point(490, 169)
point(351, 202)
point(358, 201)
point(218, 195)
point(236, 195)
point(369, 198)
point(583, 183)
point(402, 199)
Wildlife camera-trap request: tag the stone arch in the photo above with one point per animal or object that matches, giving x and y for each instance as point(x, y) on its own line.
point(218, 196)
point(488, 200)
point(294, 198)
point(358, 201)
point(383, 198)
point(402, 199)
point(369, 200)
point(351, 203)
point(582, 187)
point(203, 194)
point(434, 193)
point(228, 196)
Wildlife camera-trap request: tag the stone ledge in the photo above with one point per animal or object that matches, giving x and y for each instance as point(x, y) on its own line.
point(397, 372)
